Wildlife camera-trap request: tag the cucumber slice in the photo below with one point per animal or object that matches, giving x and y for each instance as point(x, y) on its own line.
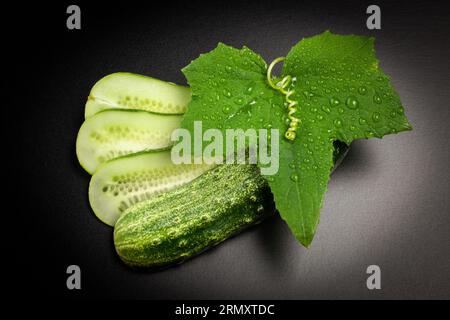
point(121, 183)
point(115, 133)
point(133, 91)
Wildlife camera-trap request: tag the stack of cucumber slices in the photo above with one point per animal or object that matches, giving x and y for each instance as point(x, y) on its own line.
point(124, 142)
point(162, 213)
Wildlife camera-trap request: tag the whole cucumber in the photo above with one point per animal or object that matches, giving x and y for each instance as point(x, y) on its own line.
point(185, 221)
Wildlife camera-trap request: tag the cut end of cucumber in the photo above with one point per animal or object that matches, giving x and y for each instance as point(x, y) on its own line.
point(123, 182)
point(124, 90)
point(114, 133)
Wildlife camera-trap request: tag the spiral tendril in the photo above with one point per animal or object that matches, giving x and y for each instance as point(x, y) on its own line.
point(284, 86)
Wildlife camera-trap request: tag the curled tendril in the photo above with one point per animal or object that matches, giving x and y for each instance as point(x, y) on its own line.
point(284, 86)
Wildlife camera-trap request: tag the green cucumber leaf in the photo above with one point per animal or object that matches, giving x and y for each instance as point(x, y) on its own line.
point(341, 88)
point(342, 95)
point(229, 91)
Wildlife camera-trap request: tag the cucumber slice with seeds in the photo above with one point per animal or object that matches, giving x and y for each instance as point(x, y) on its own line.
point(115, 133)
point(121, 183)
point(124, 90)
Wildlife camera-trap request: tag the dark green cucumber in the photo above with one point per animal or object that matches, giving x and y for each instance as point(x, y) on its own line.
point(185, 221)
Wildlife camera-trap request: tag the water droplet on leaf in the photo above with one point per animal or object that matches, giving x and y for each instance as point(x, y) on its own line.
point(377, 99)
point(352, 102)
point(326, 109)
point(338, 123)
point(334, 102)
point(376, 117)
point(362, 90)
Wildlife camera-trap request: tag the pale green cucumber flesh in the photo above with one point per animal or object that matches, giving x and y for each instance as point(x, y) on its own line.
point(121, 183)
point(133, 91)
point(114, 133)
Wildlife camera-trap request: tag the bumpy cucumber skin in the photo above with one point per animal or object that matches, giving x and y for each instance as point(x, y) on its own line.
point(184, 222)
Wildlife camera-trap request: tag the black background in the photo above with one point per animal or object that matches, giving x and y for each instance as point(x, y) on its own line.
point(49, 71)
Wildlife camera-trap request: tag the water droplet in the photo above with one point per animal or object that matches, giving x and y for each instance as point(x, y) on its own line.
point(362, 121)
point(362, 90)
point(294, 177)
point(227, 93)
point(292, 165)
point(376, 117)
point(377, 99)
point(338, 123)
point(352, 102)
point(239, 101)
point(352, 128)
point(313, 109)
point(326, 109)
point(334, 102)
point(341, 110)
point(319, 117)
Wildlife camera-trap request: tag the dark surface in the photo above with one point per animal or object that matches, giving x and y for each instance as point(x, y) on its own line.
point(388, 204)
